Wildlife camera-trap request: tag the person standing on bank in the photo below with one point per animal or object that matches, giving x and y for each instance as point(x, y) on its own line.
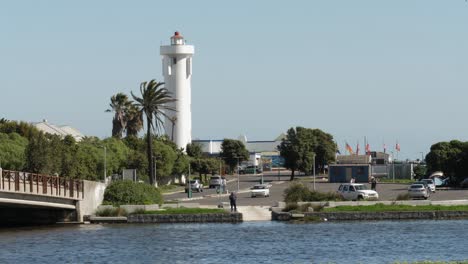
point(373, 183)
point(232, 200)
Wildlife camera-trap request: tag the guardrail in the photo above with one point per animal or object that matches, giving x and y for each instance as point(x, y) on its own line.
point(40, 184)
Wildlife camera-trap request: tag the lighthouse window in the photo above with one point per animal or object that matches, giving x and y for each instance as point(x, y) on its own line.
point(174, 60)
point(169, 70)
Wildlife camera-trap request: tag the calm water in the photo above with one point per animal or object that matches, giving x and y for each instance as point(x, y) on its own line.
point(253, 242)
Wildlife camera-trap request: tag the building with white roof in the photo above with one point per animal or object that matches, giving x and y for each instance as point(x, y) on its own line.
point(62, 131)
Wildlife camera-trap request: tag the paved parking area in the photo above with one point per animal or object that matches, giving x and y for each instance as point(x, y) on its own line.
point(387, 191)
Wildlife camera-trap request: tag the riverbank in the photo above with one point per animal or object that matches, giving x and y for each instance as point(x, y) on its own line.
point(370, 216)
point(169, 218)
point(356, 211)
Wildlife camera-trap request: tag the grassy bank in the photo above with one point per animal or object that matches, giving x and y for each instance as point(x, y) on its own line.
point(183, 210)
point(395, 208)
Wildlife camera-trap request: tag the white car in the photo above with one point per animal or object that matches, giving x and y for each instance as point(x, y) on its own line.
point(418, 190)
point(356, 191)
point(216, 181)
point(430, 184)
point(195, 185)
point(262, 190)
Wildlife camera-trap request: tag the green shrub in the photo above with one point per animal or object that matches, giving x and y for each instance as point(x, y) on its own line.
point(291, 207)
point(112, 212)
point(128, 192)
point(297, 192)
point(403, 196)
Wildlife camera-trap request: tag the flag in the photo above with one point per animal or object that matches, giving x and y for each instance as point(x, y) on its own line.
point(397, 147)
point(349, 149)
point(384, 148)
point(367, 148)
point(357, 149)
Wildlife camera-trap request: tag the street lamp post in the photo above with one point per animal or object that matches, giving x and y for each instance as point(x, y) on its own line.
point(155, 167)
point(393, 167)
point(189, 191)
point(105, 163)
point(314, 171)
point(238, 184)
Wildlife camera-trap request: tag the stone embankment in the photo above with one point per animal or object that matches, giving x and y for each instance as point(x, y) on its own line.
point(186, 218)
point(366, 216)
point(135, 217)
point(168, 218)
point(279, 215)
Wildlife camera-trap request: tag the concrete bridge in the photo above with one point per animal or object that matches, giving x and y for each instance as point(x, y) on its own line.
point(32, 198)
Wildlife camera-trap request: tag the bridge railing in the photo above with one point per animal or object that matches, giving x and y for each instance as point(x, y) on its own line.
point(40, 184)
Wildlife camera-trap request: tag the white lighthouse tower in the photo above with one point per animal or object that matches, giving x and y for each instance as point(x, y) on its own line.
point(177, 71)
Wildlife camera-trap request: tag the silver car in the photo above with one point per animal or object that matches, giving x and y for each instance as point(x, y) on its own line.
point(418, 190)
point(195, 185)
point(430, 184)
point(216, 181)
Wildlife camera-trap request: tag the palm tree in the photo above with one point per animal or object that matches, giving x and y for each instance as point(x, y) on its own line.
point(119, 105)
point(153, 103)
point(173, 120)
point(134, 121)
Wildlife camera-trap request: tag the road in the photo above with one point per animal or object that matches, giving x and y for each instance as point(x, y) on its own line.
point(387, 191)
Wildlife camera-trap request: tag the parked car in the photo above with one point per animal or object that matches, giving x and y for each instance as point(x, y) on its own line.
point(195, 185)
point(250, 170)
point(216, 181)
point(356, 191)
point(426, 185)
point(418, 190)
point(430, 183)
point(262, 190)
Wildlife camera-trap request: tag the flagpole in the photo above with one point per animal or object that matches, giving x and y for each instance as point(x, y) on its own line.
point(365, 145)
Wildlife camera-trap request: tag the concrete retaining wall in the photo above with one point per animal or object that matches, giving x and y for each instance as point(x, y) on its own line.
point(94, 195)
point(359, 203)
point(186, 218)
point(358, 216)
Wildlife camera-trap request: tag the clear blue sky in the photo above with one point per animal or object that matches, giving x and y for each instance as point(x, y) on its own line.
point(388, 70)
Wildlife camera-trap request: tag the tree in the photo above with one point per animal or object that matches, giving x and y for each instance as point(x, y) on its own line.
point(152, 103)
point(194, 150)
point(233, 152)
point(302, 145)
point(37, 154)
point(449, 157)
point(419, 171)
point(119, 105)
point(134, 121)
point(12, 151)
point(22, 128)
